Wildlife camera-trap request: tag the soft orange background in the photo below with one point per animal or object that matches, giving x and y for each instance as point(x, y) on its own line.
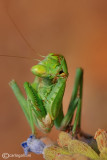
point(75, 29)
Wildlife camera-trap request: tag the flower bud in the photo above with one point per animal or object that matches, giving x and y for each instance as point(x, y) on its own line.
point(51, 152)
point(101, 138)
point(64, 139)
point(103, 154)
point(76, 146)
point(72, 157)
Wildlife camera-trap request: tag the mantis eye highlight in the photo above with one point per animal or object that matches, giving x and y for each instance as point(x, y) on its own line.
point(38, 70)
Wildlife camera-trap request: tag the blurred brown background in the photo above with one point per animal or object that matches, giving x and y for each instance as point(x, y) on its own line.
point(77, 30)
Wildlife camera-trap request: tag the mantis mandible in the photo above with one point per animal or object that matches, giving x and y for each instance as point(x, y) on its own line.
point(43, 106)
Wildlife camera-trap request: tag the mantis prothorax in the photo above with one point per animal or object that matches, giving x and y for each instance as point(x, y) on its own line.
point(43, 106)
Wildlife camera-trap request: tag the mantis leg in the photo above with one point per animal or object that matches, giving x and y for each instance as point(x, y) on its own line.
point(75, 101)
point(31, 117)
point(21, 100)
point(77, 117)
point(60, 116)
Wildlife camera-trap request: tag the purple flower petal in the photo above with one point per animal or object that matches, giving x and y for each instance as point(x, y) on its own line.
point(33, 145)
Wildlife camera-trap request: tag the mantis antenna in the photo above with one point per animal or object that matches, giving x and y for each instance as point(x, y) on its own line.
point(32, 58)
point(23, 37)
point(19, 31)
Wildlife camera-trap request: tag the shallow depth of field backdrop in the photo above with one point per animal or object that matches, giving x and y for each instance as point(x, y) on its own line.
point(75, 29)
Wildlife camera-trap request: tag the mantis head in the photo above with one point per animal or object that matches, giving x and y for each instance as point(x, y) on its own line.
point(52, 66)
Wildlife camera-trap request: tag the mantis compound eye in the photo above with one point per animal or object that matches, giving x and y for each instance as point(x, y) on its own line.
point(60, 72)
point(38, 70)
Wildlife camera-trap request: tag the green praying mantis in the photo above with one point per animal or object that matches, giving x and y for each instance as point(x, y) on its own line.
point(43, 106)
